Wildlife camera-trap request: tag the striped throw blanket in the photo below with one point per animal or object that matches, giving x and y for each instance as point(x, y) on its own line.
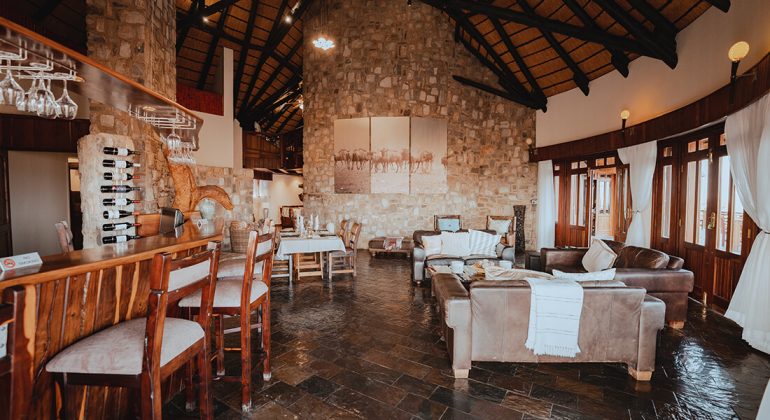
point(554, 317)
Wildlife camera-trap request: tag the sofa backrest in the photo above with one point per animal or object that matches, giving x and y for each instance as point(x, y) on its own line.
point(609, 323)
point(637, 257)
point(418, 234)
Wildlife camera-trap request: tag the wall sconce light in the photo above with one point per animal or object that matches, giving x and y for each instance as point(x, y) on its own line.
point(736, 53)
point(530, 143)
point(624, 114)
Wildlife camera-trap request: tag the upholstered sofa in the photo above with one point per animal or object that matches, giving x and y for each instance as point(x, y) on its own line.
point(659, 273)
point(618, 324)
point(420, 261)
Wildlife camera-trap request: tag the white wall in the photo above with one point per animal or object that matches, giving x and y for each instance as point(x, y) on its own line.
point(217, 136)
point(283, 190)
point(39, 198)
point(652, 88)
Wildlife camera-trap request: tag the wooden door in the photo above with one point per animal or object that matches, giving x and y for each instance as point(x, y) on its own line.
point(577, 203)
point(665, 226)
point(6, 245)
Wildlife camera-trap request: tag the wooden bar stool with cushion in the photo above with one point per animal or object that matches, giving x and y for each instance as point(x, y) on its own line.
point(345, 261)
point(242, 296)
point(141, 352)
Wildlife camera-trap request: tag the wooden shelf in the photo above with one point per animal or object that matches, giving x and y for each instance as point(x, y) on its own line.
point(100, 83)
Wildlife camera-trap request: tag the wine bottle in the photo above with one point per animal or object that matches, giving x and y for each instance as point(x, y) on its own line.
point(111, 163)
point(118, 151)
point(119, 188)
point(109, 176)
point(118, 214)
point(119, 202)
point(119, 239)
point(119, 226)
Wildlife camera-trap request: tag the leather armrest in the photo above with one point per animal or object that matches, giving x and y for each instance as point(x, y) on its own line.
point(651, 320)
point(570, 257)
point(418, 253)
point(457, 317)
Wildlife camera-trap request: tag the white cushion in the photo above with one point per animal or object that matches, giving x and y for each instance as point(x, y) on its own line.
point(235, 267)
point(119, 349)
point(594, 276)
point(500, 226)
point(455, 243)
point(432, 244)
point(483, 243)
point(599, 256)
point(178, 279)
point(227, 294)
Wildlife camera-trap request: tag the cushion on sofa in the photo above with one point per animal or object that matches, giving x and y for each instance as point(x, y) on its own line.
point(615, 245)
point(605, 275)
point(483, 243)
point(474, 258)
point(432, 244)
point(599, 256)
point(674, 263)
point(455, 243)
point(500, 226)
point(441, 259)
point(636, 257)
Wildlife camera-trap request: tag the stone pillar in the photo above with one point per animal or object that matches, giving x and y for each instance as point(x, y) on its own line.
point(136, 38)
point(395, 60)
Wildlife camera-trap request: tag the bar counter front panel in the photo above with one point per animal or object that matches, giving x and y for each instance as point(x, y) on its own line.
point(74, 295)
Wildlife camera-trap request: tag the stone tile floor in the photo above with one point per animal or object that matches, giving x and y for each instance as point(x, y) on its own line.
point(368, 347)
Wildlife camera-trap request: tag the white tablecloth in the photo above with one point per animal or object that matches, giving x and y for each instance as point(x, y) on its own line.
point(309, 245)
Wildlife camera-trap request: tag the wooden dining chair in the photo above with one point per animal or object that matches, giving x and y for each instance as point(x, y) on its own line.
point(342, 232)
point(141, 352)
point(242, 296)
point(64, 233)
point(341, 262)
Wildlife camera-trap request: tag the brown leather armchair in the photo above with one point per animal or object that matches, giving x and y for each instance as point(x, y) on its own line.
point(659, 273)
point(618, 324)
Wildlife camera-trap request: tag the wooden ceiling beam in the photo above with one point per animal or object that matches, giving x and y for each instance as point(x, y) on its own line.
point(243, 56)
point(723, 5)
point(619, 58)
point(183, 28)
point(497, 92)
point(662, 25)
point(213, 48)
point(288, 95)
point(286, 120)
point(217, 7)
point(45, 9)
point(270, 102)
point(536, 91)
point(283, 105)
point(274, 75)
point(663, 46)
point(580, 78)
point(578, 32)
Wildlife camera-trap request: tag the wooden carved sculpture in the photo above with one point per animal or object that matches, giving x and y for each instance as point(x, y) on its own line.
point(188, 194)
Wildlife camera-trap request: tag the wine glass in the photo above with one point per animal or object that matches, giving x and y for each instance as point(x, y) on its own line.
point(47, 106)
point(9, 88)
point(67, 107)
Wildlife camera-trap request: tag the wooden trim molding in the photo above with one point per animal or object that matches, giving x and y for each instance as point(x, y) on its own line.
point(713, 108)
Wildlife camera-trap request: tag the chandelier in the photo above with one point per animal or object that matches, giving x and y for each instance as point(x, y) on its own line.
point(323, 43)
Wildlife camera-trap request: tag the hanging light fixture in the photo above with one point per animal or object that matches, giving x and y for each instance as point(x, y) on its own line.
point(322, 41)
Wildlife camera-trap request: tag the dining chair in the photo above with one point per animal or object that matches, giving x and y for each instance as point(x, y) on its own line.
point(242, 296)
point(141, 352)
point(342, 232)
point(449, 223)
point(64, 234)
point(341, 262)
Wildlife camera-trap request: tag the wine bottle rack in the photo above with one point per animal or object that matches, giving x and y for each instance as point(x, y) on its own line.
point(118, 206)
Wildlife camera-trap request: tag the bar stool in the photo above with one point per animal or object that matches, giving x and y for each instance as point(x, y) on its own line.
point(141, 352)
point(345, 261)
point(242, 296)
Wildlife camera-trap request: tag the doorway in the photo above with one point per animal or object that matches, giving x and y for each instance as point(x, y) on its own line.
point(603, 203)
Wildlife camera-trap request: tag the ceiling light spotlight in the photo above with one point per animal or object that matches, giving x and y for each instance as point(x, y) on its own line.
point(205, 19)
point(288, 19)
point(736, 53)
point(624, 114)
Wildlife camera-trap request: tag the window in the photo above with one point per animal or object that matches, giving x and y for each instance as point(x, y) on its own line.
point(665, 220)
point(703, 187)
point(573, 202)
point(581, 201)
point(729, 219)
point(610, 161)
point(556, 196)
point(668, 151)
point(736, 224)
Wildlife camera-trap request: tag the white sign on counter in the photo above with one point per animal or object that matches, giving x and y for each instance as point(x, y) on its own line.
point(19, 261)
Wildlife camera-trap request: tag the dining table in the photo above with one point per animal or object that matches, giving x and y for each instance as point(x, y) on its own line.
point(293, 246)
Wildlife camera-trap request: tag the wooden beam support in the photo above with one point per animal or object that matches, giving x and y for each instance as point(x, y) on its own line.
point(580, 78)
point(45, 9)
point(217, 7)
point(212, 48)
point(723, 5)
point(286, 120)
point(537, 93)
point(272, 101)
point(244, 54)
point(662, 25)
point(497, 92)
point(578, 32)
point(619, 58)
point(273, 76)
point(664, 47)
point(183, 28)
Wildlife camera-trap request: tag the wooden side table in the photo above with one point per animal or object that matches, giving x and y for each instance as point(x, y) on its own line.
point(532, 260)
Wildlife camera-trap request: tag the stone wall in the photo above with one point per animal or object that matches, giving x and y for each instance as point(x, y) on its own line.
point(395, 60)
point(239, 184)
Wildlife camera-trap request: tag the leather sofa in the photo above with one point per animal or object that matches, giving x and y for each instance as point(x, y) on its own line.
point(618, 324)
point(420, 261)
point(659, 273)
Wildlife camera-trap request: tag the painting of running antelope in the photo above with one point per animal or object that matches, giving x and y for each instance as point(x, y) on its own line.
point(352, 156)
point(428, 156)
point(390, 155)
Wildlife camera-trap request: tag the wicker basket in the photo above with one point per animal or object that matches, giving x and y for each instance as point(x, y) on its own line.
point(239, 236)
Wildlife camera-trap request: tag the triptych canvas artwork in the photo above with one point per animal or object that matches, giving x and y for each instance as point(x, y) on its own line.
point(406, 155)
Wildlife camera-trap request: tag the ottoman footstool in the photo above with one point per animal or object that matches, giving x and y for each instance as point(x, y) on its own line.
point(389, 245)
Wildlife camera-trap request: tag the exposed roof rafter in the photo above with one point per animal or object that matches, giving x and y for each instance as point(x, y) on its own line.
point(619, 59)
point(213, 48)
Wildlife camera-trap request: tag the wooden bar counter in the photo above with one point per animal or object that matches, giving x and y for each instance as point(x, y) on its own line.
point(74, 295)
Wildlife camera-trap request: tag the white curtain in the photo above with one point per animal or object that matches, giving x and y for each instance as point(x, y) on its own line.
point(641, 159)
point(546, 205)
point(748, 144)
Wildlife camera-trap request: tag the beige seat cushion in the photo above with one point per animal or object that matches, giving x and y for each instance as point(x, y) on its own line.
point(119, 349)
point(227, 294)
point(235, 267)
point(178, 279)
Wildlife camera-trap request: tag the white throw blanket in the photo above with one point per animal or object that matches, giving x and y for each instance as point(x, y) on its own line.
point(554, 317)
